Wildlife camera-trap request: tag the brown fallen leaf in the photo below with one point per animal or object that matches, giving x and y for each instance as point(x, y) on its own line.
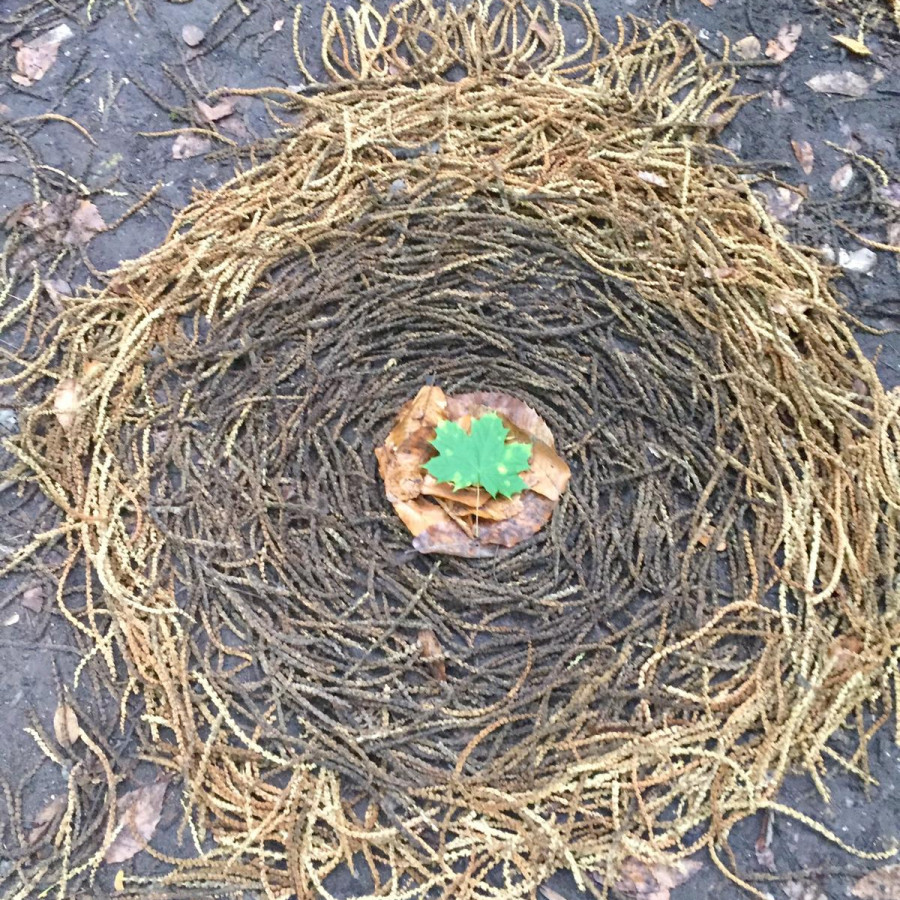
point(782, 202)
point(138, 813)
point(33, 598)
point(882, 884)
point(536, 513)
point(780, 102)
point(46, 820)
point(709, 4)
point(765, 855)
point(515, 411)
point(798, 890)
point(67, 401)
point(34, 59)
point(67, 219)
point(84, 223)
point(192, 35)
point(433, 654)
point(846, 84)
point(188, 145)
point(408, 447)
point(448, 538)
point(784, 43)
point(213, 113)
point(65, 725)
point(841, 178)
point(852, 44)
point(748, 47)
point(805, 156)
point(653, 881)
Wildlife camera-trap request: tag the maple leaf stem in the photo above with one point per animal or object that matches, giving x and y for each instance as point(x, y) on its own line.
point(477, 507)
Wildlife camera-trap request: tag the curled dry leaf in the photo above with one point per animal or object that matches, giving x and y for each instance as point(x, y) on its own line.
point(882, 884)
point(847, 84)
point(748, 47)
point(66, 402)
point(188, 145)
point(432, 653)
point(65, 725)
point(33, 598)
point(784, 43)
point(34, 59)
point(138, 813)
point(67, 219)
point(841, 179)
point(805, 156)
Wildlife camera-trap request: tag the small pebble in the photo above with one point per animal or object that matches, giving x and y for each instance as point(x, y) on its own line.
point(192, 35)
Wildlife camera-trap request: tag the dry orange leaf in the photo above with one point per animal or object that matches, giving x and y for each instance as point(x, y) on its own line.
point(748, 47)
point(213, 113)
point(65, 725)
point(784, 43)
point(882, 884)
point(805, 156)
point(432, 653)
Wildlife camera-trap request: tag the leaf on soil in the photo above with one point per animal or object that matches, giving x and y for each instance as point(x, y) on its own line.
point(432, 653)
point(188, 145)
point(119, 880)
point(67, 401)
point(779, 101)
point(11, 619)
point(138, 813)
point(890, 193)
point(66, 219)
point(33, 598)
point(842, 177)
point(45, 820)
point(765, 855)
point(782, 203)
point(84, 223)
point(213, 113)
point(277, 25)
point(784, 43)
point(847, 84)
point(65, 725)
point(861, 261)
point(34, 59)
point(852, 44)
point(653, 881)
point(748, 47)
point(192, 35)
point(709, 4)
point(805, 156)
point(882, 884)
point(797, 890)
point(480, 457)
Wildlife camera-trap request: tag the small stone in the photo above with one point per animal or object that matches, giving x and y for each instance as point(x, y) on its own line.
point(192, 35)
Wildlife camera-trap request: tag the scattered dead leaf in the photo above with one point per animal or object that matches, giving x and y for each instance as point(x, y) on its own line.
point(847, 84)
point(784, 43)
point(46, 820)
point(119, 881)
point(68, 219)
point(33, 598)
point(34, 59)
point(779, 101)
point(842, 177)
point(782, 202)
point(748, 47)
point(805, 156)
point(138, 813)
point(84, 223)
point(67, 401)
point(765, 855)
point(709, 4)
point(797, 890)
point(213, 113)
point(188, 145)
point(653, 178)
point(433, 654)
point(11, 619)
point(65, 725)
point(654, 881)
point(192, 35)
point(852, 44)
point(882, 884)
point(277, 25)
point(861, 261)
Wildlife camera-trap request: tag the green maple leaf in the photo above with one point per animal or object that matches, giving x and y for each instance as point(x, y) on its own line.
point(480, 457)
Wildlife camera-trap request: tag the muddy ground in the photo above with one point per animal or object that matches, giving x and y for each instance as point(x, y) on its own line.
point(128, 72)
